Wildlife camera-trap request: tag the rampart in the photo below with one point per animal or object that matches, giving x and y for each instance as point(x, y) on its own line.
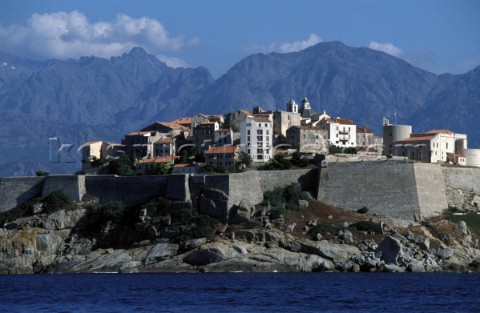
point(389, 188)
point(464, 178)
point(130, 190)
point(16, 190)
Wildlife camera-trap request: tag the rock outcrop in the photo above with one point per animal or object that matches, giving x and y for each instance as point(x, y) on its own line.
point(51, 244)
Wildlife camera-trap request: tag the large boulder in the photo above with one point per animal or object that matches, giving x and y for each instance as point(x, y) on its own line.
point(214, 202)
point(330, 251)
point(210, 253)
point(161, 252)
point(243, 212)
point(64, 219)
point(346, 236)
point(99, 261)
point(390, 250)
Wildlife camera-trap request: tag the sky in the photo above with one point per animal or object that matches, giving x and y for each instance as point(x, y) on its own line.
point(436, 35)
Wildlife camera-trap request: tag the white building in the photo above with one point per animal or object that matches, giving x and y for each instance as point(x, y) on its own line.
point(256, 138)
point(438, 145)
point(341, 132)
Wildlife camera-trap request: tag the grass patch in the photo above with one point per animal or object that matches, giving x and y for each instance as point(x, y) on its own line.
point(472, 220)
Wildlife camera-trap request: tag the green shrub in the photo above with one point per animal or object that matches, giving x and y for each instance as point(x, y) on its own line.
point(122, 166)
point(55, 201)
point(367, 226)
point(363, 210)
point(323, 229)
point(287, 196)
point(41, 173)
point(350, 150)
point(276, 213)
point(277, 163)
point(451, 209)
point(472, 220)
point(250, 225)
point(188, 224)
point(99, 215)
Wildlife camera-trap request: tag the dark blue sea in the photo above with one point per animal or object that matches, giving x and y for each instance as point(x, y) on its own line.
point(241, 292)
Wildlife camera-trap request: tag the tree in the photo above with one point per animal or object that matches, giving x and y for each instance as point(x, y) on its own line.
point(122, 166)
point(243, 160)
point(158, 169)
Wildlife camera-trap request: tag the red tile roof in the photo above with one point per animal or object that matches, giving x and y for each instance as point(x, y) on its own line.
point(163, 159)
point(363, 130)
point(245, 112)
point(413, 139)
point(172, 125)
point(182, 165)
point(440, 131)
point(261, 119)
point(165, 140)
point(221, 150)
point(138, 133)
point(345, 121)
point(183, 120)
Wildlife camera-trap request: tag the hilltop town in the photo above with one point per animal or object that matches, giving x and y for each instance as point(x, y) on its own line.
point(312, 204)
point(236, 140)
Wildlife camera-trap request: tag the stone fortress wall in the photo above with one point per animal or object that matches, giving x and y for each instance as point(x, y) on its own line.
point(389, 188)
point(398, 189)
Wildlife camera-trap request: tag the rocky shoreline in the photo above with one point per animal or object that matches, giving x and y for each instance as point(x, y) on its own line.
point(50, 243)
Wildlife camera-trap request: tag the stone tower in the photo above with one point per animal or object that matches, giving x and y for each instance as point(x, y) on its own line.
point(305, 104)
point(292, 106)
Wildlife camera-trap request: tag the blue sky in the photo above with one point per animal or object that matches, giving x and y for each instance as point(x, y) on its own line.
point(437, 35)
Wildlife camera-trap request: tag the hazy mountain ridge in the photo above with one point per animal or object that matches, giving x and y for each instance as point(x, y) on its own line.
point(94, 98)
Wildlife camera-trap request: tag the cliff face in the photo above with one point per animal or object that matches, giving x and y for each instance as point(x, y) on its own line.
point(58, 243)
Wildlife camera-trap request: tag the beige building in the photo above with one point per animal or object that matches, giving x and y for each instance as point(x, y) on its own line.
point(164, 147)
point(307, 139)
point(139, 145)
point(237, 117)
point(225, 157)
point(98, 150)
point(204, 136)
point(186, 169)
point(149, 165)
point(223, 137)
point(364, 137)
point(168, 129)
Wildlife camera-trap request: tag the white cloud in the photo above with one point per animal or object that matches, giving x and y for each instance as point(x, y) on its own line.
point(386, 47)
point(70, 35)
point(286, 47)
point(172, 61)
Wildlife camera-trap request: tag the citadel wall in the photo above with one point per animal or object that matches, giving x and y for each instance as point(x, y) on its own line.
point(385, 188)
point(389, 188)
point(16, 190)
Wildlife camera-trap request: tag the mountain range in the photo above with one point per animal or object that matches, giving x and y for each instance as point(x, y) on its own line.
point(102, 99)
